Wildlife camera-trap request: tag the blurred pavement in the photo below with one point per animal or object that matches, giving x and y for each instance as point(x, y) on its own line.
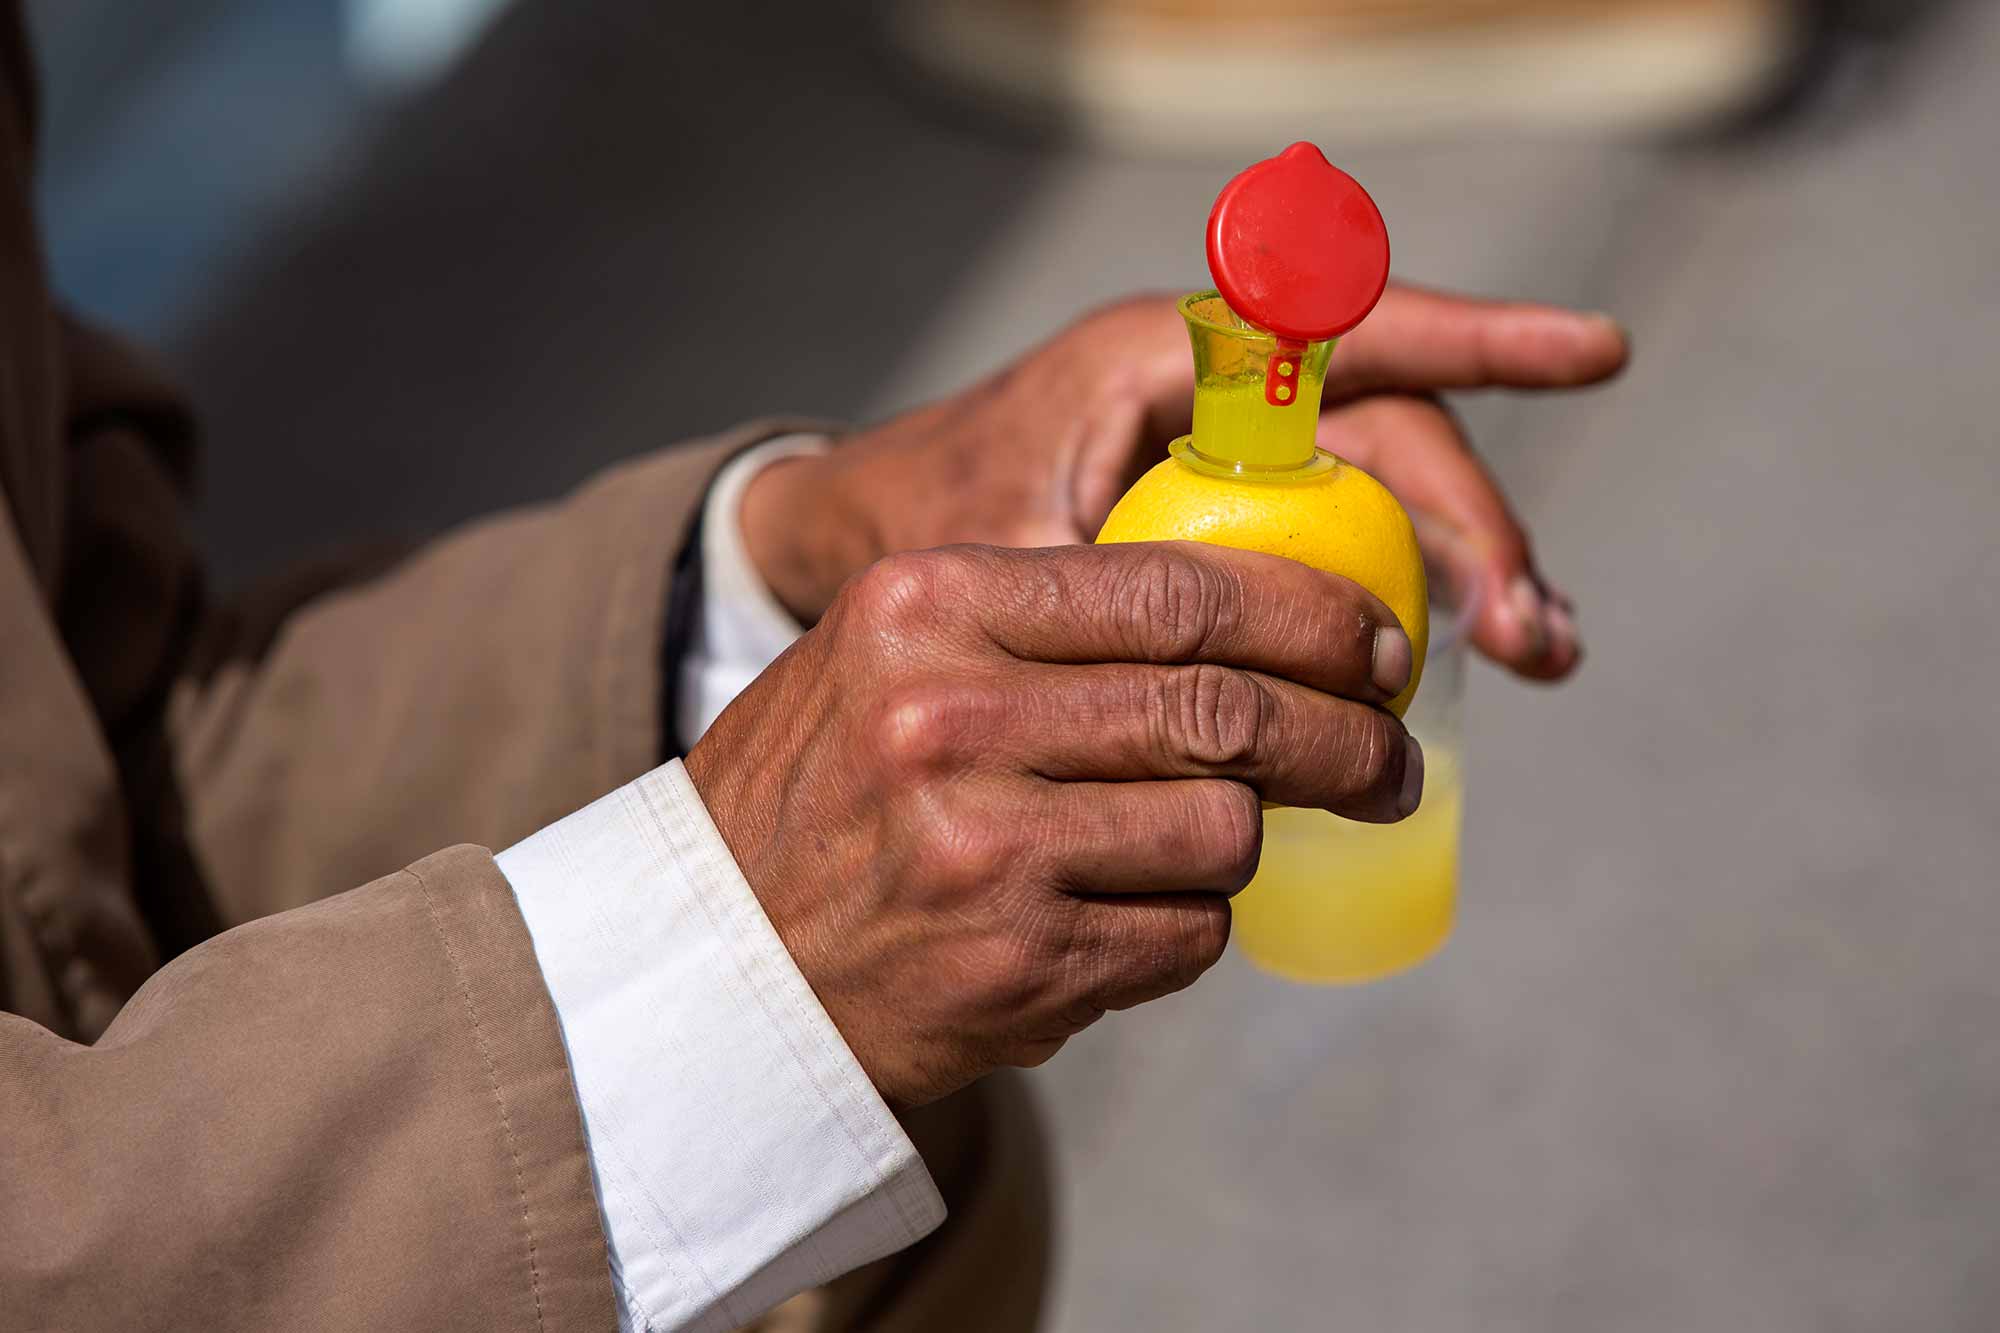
point(1718, 1043)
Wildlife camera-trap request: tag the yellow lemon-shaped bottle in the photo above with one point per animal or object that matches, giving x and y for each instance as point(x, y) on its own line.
point(1251, 477)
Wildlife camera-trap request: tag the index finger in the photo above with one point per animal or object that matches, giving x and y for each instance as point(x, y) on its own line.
point(1178, 603)
point(1414, 447)
point(1420, 340)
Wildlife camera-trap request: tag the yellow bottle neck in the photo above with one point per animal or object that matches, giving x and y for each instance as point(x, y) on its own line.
point(1237, 430)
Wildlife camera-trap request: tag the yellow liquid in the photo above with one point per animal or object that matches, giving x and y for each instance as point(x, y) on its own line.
point(1234, 423)
point(1337, 902)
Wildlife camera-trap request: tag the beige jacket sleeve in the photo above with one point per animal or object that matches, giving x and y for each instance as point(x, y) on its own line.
point(482, 688)
point(356, 1110)
point(353, 1115)
point(353, 1110)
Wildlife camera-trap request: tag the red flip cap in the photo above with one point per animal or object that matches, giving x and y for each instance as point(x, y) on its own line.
point(1296, 246)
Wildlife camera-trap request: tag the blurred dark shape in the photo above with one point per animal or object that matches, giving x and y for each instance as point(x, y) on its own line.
point(616, 225)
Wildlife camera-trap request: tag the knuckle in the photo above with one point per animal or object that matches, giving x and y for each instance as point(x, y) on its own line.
point(1233, 819)
point(922, 726)
point(1162, 949)
point(1200, 933)
point(1206, 934)
point(1030, 950)
point(895, 589)
point(1174, 602)
point(967, 858)
point(1079, 1014)
point(1045, 928)
point(1214, 715)
point(1034, 1052)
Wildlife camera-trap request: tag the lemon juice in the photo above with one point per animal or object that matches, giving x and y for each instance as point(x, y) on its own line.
point(1336, 902)
point(1259, 434)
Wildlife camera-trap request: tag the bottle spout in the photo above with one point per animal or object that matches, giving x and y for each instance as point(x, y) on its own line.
point(1256, 395)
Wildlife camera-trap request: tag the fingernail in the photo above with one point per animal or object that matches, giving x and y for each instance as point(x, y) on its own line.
point(1562, 627)
point(1413, 779)
point(1393, 660)
point(1611, 322)
point(1525, 600)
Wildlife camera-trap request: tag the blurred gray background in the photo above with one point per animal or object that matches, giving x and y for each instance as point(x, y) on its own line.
point(1717, 1045)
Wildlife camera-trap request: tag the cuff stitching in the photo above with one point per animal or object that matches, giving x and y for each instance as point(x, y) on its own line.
point(492, 1083)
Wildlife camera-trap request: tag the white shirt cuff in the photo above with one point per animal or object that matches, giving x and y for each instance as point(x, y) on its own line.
point(741, 1153)
point(740, 627)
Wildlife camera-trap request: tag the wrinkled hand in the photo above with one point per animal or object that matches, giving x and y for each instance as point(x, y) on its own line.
point(1038, 454)
point(995, 793)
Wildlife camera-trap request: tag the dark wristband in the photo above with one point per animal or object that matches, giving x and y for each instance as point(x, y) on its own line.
point(683, 612)
point(677, 636)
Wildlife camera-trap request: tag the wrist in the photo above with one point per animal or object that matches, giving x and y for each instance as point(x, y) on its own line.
point(803, 532)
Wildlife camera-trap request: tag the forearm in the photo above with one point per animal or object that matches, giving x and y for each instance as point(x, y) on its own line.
point(498, 679)
point(627, 907)
point(374, 1085)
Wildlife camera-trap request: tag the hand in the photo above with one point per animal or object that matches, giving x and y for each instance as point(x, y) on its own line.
point(995, 793)
point(1038, 454)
